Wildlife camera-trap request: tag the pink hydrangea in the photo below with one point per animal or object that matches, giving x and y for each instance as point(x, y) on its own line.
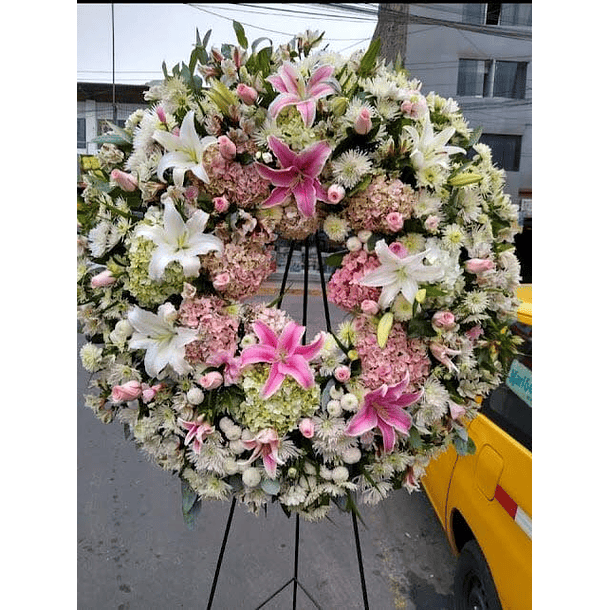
point(243, 266)
point(217, 329)
point(382, 198)
point(239, 184)
point(390, 364)
point(343, 288)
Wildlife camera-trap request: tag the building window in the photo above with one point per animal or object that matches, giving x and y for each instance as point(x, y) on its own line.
point(491, 78)
point(81, 133)
point(497, 14)
point(505, 150)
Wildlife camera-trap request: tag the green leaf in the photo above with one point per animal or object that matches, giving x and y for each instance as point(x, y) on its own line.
point(241, 34)
point(335, 259)
point(474, 138)
point(367, 63)
point(259, 40)
point(191, 504)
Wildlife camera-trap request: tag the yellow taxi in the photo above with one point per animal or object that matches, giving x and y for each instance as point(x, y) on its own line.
point(484, 500)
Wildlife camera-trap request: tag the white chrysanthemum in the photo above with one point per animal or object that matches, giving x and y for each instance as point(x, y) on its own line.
point(476, 302)
point(212, 455)
point(293, 496)
point(414, 242)
point(453, 236)
point(91, 357)
point(251, 477)
point(316, 514)
point(427, 204)
point(329, 428)
point(435, 393)
point(354, 108)
point(479, 242)
point(336, 228)
point(372, 495)
point(379, 469)
point(102, 238)
point(510, 264)
point(350, 167)
point(470, 203)
point(381, 87)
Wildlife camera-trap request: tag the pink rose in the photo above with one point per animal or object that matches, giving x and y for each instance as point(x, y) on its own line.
point(246, 94)
point(211, 380)
point(443, 320)
point(221, 204)
point(105, 278)
point(149, 392)
point(227, 148)
point(221, 281)
point(363, 122)
point(369, 307)
point(398, 249)
point(342, 373)
point(126, 181)
point(335, 193)
point(307, 427)
point(431, 223)
point(479, 265)
point(395, 221)
point(127, 391)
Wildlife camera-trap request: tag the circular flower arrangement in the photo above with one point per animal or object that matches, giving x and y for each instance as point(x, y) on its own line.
point(177, 224)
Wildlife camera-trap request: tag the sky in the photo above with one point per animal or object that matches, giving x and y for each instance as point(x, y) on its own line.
point(145, 35)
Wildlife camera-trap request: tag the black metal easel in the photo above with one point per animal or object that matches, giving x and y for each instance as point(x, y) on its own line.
point(294, 580)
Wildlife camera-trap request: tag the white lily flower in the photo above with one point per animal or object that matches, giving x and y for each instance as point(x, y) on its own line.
point(399, 274)
point(164, 343)
point(185, 151)
point(429, 149)
point(179, 241)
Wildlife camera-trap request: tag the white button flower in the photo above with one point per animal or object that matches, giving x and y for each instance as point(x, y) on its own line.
point(185, 151)
point(164, 343)
point(399, 273)
point(179, 241)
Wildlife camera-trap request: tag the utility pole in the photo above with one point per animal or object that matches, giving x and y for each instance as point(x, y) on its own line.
point(392, 28)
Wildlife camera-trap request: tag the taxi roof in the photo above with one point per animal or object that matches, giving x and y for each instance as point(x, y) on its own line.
point(524, 293)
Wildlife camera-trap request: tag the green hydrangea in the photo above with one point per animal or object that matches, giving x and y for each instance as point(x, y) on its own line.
point(151, 292)
point(281, 411)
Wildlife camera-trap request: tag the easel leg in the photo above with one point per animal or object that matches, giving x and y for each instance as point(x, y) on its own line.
point(222, 552)
point(360, 565)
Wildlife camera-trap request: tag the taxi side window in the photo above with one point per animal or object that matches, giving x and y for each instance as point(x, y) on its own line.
point(510, 405)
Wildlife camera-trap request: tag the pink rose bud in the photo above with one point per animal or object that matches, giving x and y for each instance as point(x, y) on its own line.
point(248, 95)
point(335, 193)
point(307, 427)
point(431, 223)
point(479, 265)
point(342, 373)
point(395, 221)
point(221, 204)
point(161, 114)
point(443, 320)
point(221, 280)
point(211, 380)
point(363, 122)
point(398, 249)
point(127, 391)
point(149, 392)
point(456, 410)
point(369, 307)
point(227, 148)
point(126, 181)
point(105, 278)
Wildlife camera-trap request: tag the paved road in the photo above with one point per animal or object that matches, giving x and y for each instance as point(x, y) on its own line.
point(135, 553)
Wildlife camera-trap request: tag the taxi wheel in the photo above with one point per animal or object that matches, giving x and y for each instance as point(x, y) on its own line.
point(473, 585)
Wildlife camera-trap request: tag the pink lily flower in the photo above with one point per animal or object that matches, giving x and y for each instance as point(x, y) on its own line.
point(442, 353)
point(298, 175)
point(232, 366)
point(383, 409)
point(266, 444)
point(285, 354)
point(198, 431)
point(295, 92)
